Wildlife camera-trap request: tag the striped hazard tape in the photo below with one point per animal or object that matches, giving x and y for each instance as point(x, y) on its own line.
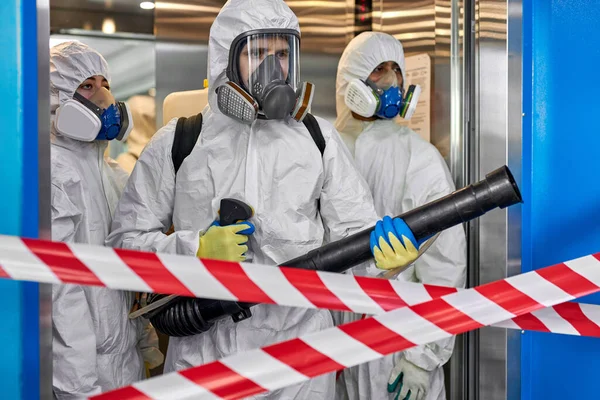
point(408, 314)
point(55, 262)
point(297, 360)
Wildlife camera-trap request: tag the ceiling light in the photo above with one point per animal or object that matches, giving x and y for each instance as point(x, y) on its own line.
point(108, 26)
point(147, 5)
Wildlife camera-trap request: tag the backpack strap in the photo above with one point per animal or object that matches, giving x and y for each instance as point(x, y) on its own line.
point(187, 132)
point(315, 131)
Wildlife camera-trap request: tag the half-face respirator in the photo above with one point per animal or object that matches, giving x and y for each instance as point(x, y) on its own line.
point(81, 119)
point(367, 100)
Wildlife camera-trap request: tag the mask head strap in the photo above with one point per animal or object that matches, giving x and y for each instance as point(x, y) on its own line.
point(92, 107)
point(361, 118)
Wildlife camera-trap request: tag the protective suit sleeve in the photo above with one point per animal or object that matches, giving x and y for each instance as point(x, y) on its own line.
point(144, 213)
point(346, 201)
point(73, 344)
point(66, 216)
point(445, 261)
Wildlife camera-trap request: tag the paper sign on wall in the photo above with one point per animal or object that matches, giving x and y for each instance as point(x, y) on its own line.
point(418, 72)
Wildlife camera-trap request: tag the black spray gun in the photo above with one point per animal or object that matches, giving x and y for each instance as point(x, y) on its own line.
point(231, 211)
point(185, 316)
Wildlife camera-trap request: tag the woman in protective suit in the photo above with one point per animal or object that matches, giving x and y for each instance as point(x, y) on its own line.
point(95, 345)
point(403, 172)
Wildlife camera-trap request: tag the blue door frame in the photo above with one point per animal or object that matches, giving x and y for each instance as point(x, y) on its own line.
point(561, 179)
point(19, 332)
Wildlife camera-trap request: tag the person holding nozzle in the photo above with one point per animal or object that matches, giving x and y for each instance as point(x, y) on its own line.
point(255, 146)
point(95, 346)
point(403, 172)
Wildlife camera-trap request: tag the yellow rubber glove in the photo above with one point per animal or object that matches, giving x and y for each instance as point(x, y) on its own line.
point(393, 244)
point(227, 243)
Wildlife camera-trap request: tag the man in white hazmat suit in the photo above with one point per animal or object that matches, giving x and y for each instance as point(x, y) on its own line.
point(270, 161)
point(403, 172)
point(95, 345)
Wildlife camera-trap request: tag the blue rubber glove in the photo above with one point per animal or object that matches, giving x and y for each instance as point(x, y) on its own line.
point(393, 244)
point(248, 231)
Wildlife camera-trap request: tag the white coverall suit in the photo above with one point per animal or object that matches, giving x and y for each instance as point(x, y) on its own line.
point(299, 198)
point(403, 172)
point(95, 346)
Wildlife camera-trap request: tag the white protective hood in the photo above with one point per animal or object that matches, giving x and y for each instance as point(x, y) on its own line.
point(237, 17)
point(365, 52)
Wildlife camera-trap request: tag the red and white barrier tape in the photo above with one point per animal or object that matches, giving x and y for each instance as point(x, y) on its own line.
point(297, 360)
point(53, 262)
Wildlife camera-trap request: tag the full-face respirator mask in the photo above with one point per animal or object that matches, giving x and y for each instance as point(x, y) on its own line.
point(82, 119)
point(383, 100)
point(263, 75)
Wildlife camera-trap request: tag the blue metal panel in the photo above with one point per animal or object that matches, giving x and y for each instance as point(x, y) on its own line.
point(19, 336)
point(29, 201)
point(561, 169)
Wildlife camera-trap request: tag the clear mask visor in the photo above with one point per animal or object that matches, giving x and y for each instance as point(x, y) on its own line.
point(263, 58)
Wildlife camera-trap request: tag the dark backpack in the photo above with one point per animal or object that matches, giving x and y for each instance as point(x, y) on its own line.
point(188, 130)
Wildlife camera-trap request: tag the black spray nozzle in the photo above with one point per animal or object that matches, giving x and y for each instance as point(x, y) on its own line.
point(232, 210)
point(503, 186)
point(498, 189)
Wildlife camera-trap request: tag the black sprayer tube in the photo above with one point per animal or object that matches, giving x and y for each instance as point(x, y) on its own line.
point(497, 190)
